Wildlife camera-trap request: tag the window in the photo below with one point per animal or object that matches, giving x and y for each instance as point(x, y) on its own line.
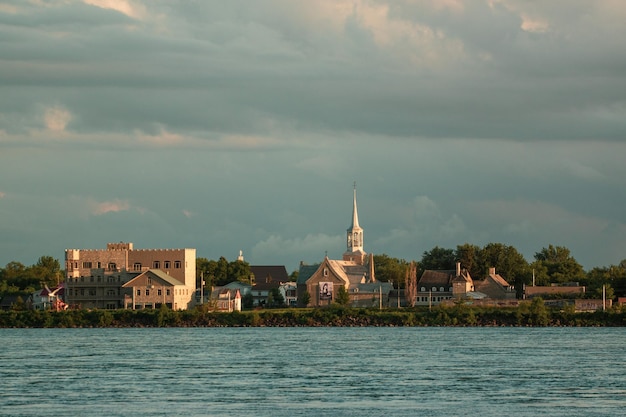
point(166, 264)
point(167, 292)
point(325, 272)
point(156, 264)
point(441, 289)
point(177, 264)
point(111, 266)
point(423, 289)
point(147, 292)
point(99, 265)
point(87, 265)
point(138, 292)
point(137, 266)
point(159, 291)
point(434, 289)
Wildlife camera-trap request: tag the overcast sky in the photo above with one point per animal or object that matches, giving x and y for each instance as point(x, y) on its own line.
point(242, 125)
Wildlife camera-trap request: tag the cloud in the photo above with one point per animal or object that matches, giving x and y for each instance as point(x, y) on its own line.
point(127, 7)
point(312, 248)
point(2, 195)
point(56, 118)
point(113, 206)
point(188, 214)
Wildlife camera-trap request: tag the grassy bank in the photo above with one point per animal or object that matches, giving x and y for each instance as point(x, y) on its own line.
point(333, 316)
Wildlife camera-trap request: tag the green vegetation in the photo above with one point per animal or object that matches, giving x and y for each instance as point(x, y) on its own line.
point(528, 314)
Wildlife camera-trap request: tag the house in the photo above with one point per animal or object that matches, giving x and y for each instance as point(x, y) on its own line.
point(268, 273)
point(155, 288)
point(228, 299)
point(46, 298)
point(289, 291)
point(94, 277)
point(495, 287)
point(11, 301)
point(261, 293)
point(435, 286)
point(220, 296)
point(319, 283)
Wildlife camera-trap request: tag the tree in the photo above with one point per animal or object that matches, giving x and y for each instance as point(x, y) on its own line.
point(277, 299)
point(468, 255)
point(389, 269)
point(438, 259)
point(410, 288)
point(304, 299)
point(560, 264)
point(239, 271)
point(342, 298)
point(222, 272)
point(247, 301)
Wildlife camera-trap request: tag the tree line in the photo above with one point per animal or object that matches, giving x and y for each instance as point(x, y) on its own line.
point(551, 265)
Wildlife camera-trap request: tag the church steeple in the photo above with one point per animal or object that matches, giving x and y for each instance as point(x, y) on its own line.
point(354, 237)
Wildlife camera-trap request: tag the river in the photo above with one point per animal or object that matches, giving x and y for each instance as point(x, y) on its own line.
point(313, 371)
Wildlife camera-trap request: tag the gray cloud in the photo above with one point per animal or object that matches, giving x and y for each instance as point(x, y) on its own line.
point(241, 125)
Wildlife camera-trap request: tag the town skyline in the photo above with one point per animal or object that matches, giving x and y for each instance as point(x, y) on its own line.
point(242, 126)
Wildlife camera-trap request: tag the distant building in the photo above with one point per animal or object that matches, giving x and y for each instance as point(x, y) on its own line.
point(569, 290)
point(153, 289)
point(49, 299)
point(95, 278)
point(436, 287)
point(355, 273)
point(495, 287)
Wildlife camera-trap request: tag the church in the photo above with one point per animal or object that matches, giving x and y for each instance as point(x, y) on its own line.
point(354, 272)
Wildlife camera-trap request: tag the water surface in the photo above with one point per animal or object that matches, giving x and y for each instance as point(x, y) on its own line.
point(313, 371)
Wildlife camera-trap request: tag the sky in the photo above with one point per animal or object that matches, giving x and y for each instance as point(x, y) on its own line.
point(243, 125)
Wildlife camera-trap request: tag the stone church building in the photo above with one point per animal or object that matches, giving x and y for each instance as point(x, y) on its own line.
point(354, 272)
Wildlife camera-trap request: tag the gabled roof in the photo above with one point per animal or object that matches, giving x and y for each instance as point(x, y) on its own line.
point(273, 273)
point(350, 272)
point(498, 279)
point(306, 272)
point(156, 274)
point(437, 278)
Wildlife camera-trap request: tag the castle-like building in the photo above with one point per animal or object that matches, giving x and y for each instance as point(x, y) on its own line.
point(354, 272)
point(121, 276)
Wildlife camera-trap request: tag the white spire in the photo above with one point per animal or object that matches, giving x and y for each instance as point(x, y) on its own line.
point(354, 237)
point(355, 215)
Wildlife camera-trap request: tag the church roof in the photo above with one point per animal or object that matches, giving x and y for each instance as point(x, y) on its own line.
point(349, 271)
point(306, 272)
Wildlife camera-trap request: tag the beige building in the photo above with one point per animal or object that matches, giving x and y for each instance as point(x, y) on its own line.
point(155, 288)
point(95, 277)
